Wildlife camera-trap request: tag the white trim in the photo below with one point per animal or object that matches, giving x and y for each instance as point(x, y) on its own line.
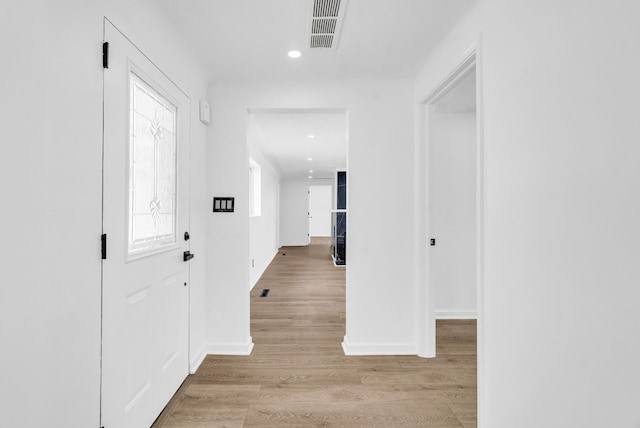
point(459, 72)
point(195, 363)
point(261, 270)
point(144, 253)
point(481, 226)
point(297, 110)
point(231, 348)
point(333, 259)
point(378, 348)
point(456, 314)
point(426, 327)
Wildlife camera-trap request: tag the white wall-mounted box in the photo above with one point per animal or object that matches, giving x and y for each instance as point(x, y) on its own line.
point(205, 113)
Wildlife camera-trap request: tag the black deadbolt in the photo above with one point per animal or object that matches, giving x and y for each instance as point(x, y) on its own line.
point(186, 236)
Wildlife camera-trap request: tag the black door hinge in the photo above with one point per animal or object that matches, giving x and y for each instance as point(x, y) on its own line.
point(103, 250)
point(105, 55)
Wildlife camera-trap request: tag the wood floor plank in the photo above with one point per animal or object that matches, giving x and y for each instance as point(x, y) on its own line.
point(304, 415)
point(289, 375)
point(212, 405)
point(298, 375)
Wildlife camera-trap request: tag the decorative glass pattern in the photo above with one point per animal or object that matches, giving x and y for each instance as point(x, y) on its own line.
point(152, 168)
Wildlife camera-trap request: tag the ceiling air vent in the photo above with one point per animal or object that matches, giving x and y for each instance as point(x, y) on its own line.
point(326, 23)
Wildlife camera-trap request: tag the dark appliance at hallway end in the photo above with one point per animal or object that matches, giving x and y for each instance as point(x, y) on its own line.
point(339, 221)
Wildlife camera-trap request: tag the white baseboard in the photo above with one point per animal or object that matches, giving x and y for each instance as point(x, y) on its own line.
point(232, 348)
point(333, 258)
point(195, 362)
point(458, 314)
point(378, 348)
point(260, 271)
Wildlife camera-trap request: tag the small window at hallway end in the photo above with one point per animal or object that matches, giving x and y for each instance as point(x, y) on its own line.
point(255, 189)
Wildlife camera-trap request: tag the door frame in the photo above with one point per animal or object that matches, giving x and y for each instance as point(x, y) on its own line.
point(426, 328)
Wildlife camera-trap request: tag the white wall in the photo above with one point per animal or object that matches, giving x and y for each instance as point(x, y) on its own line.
point(560, 315)
point(263, 229)
point(452, 214)
point(51, 109)
point(228, 233)
point(380, 283)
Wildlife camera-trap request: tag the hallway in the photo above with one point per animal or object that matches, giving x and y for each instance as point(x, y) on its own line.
point(298, 375)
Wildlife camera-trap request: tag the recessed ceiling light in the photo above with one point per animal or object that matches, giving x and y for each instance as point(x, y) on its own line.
point(309, 159)
point(311, 136)
point(310, 177)
point(310, 171)
point(294, 54)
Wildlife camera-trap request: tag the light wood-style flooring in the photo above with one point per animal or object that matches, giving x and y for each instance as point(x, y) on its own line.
point(298, 375)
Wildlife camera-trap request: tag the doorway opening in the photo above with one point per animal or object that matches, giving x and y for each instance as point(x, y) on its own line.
point(452, 209)
point(299, 153)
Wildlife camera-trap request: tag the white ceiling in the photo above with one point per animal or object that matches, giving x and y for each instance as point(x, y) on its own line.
point(249, 39)
point(282, 136)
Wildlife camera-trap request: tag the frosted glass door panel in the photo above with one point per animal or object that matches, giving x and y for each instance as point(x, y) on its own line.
point(152, 169)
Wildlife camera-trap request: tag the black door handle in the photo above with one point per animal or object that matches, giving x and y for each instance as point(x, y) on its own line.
point(188, 256)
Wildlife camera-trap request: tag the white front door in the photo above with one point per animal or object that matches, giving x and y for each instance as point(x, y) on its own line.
point(320, 210)
point(145, 216)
